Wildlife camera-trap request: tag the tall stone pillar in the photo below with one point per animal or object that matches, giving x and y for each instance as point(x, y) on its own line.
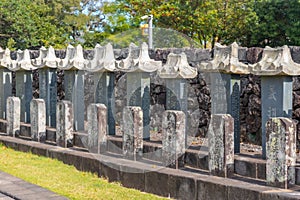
point(47, 63)
point(5, 81)
point(23, 68)
point(102, 67)
point(175, 72)
point(276, 69)
point(74, 66)
point(7, 90)
point(223, 74)
point(138, 66)
point(225, 99)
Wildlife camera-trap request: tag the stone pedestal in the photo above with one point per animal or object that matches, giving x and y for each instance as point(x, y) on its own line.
point(276, 96)
point(24, 92)
point(97, 128)
point(74, 92)
point(138, 94)
point(13, 116)
point(225, 99)
point(104, 94)
point(132, 132)
point(48, 92)
point(6, 90)
point(64, 124)
point(38, 120)
point(221, 145)
point(281, 152)
point(173, 141)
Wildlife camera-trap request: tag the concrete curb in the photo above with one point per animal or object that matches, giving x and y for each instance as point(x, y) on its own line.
point(179, 184)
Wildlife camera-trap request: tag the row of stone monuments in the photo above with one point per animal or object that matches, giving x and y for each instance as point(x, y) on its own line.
point(276, 69)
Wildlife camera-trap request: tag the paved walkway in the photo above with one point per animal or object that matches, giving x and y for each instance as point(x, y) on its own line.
point(15, 188)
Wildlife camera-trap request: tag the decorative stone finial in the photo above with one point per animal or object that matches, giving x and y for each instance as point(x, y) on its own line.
point(225, 60)
point(6, 59)
point(142, 62)
point(23, 61)
point(276, 62)
point(64, 63)
point(177, 66)
point(129, 63)
point(145, 63)
point(78, 61)
point(74, 59)
point(104, 59)
point(47, 58)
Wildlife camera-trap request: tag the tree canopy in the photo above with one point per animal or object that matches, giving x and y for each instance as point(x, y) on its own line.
point(35, 23)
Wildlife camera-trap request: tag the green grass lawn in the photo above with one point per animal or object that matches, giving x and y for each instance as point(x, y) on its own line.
point(63, 179)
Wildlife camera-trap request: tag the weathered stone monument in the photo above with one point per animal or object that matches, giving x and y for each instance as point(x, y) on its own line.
point(38, 120)
point(276, 69)
point(74, 65)
point(224, 79)
point(133, 132)
point(221, 145)
point(138, 65)
point(281, 152)
point(47, 63)
point(13, 116)
point(173, 141)
point(64, 124)
point(23, 68)
point(5, 81)
point(102, 67)
point(97, 128)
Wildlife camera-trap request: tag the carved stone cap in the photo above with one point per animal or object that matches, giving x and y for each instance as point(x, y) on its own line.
point(104, 59)
point(23, 62)
point(74, 59)
point(276, 62)
point(47, 58)
point(141, 63)
point(5, 59)
point(177, 66)
point(225, 60)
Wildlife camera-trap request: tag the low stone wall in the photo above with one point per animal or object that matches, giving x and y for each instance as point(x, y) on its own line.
point(179, 184)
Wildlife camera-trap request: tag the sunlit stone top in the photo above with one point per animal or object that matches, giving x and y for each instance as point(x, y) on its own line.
point(5, 59)
point(177, 66)
point(74, 59)
point(104, 59)
point(225, 60)
point(23, 61)
point(47, 58)
point(138, 62)
point(276, 62)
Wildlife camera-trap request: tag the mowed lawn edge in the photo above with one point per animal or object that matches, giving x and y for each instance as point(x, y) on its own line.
point(63, 179)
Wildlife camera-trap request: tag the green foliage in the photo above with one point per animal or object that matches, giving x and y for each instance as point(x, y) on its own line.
point(11, 44)
point(204, 21)
point(279, 23)
point(36, 23)
point(28, 23)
